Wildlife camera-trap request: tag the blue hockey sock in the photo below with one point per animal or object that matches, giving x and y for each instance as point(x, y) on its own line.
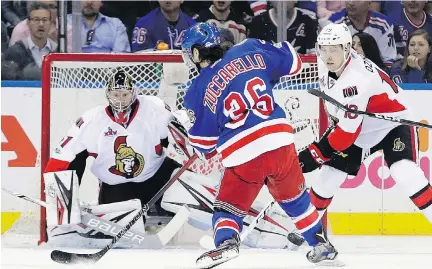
point(305, 217)
point(225, 226)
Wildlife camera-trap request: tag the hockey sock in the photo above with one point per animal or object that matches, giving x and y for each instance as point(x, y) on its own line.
point(304, 216)
point(226, 226)
point(411, 178)
point(319, 202)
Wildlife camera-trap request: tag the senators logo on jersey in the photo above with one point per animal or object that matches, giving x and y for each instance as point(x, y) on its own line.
point(128, 163)
point(350, 91)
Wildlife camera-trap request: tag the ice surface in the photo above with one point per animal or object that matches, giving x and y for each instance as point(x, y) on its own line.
point(356, 252)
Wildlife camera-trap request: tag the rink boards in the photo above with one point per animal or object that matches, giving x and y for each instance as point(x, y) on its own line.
point(370, 203)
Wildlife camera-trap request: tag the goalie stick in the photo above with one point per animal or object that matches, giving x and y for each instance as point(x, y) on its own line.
point(74, 258)
point(339, 105)
point(154, 241)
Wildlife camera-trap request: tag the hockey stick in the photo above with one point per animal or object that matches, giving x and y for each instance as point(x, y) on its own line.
point(331, 100)
point(207, 241)
point(25, 197)
point(154, 241)
point(73, 258)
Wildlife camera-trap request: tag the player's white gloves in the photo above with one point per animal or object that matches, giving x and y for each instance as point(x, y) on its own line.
point(178, 137)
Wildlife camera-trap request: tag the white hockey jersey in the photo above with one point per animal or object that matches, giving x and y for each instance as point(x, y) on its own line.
point(361, 86)
point(131, 154)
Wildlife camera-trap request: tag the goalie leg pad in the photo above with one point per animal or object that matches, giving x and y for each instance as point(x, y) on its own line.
point(198, 193)
point(100, 226)
point(62, 197)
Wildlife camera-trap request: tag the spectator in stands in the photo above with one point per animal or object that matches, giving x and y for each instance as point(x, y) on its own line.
point(260, 6)
point(387, 7)
point(222, 15)
point(13, 12)
point(101, 33)
point(117, 9)
point(164, 24)
point(359, 18)
point(326, 8)
point(364, 44)
point(4, 37)
point(29, 52)
point(22, 31)
point(416, 66)
point(9, 69)
point(410, 18)
point(301, 29)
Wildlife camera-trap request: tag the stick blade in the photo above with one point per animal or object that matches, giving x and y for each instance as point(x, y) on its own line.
point(72, 258)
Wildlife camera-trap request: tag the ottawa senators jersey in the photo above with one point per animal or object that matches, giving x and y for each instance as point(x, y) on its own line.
point(361, 86)
point(131, 154)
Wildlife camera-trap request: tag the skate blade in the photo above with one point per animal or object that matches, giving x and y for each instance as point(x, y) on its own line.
point(207, 262)
point(331, 263)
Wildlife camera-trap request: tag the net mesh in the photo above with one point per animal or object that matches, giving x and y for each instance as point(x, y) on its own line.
point(169, 79)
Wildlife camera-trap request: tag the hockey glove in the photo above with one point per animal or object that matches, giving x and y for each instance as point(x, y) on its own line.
point(316, 154)
point(178, 136)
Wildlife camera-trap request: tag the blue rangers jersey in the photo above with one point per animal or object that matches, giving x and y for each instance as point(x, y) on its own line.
point(154, 27)
point(403, 27)
point(231, 103)
point(377, 25)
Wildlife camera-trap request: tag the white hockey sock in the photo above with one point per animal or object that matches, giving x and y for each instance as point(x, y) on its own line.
point(411, 178)
point(325, 187)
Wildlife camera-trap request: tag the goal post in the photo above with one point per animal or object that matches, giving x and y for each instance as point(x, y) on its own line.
point(75, 82)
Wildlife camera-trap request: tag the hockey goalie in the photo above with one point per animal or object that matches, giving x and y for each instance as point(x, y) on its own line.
point(129, 140)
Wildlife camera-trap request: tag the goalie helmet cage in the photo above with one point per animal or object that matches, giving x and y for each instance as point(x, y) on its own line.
point(70, 84)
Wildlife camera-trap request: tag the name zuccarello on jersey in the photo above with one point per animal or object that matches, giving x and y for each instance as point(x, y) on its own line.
point(227, 73)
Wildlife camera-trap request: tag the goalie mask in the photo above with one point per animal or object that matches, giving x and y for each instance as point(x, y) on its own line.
point(120, 92)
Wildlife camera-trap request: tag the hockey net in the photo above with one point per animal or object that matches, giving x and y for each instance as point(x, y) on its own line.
point(74, 83)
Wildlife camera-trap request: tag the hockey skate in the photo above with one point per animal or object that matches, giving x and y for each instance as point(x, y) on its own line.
point(228, 250)
point(324, 253)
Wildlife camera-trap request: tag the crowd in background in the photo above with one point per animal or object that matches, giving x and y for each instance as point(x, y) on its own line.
point(396, 35)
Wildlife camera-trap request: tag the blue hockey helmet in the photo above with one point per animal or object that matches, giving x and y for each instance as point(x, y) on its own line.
point(201, 34)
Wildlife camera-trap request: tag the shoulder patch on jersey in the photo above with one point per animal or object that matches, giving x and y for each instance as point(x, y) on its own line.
point(350, 91)
point(79, 122)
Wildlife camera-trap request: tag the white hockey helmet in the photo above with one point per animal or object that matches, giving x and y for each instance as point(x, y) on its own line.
point(335, 34)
